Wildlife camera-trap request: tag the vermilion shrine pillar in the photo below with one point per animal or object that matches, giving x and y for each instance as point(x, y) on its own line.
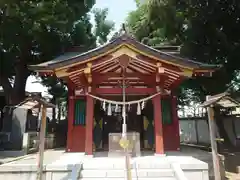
point(70, 116)
point(89, 126)
point(175, 123)
point(159, 146)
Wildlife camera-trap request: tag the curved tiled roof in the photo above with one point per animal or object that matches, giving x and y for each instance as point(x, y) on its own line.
point(73, 57)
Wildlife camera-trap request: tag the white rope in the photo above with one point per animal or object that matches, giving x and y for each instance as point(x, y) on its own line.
point(122, 103)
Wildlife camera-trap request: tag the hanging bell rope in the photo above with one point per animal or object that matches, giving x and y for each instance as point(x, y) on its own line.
point(122, 103)
point(123, 113)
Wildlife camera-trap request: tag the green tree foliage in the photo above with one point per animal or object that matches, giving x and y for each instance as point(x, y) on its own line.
point(212, 37)
point(156, 22)
point(86, 36)
point(159, 23)
point(206, 30)
point(103, 27)
point(32, 32)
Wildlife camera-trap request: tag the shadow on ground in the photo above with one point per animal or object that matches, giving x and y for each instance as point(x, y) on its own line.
point(232, 161)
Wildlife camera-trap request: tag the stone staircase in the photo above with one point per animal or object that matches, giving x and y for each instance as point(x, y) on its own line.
point(113, 169)
point(77, 166)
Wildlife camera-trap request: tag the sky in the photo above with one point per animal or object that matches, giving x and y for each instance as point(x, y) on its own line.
point(118, 11)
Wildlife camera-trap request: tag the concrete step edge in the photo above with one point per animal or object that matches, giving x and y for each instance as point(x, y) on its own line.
point(121, 173)
point(157, 178)
point(121, 166)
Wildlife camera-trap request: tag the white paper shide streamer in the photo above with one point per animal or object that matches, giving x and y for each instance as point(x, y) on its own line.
point(116, 108)
point(104, 105)
point(138, 109)
point(109, 113)
point(143, 105)
point(109, 103)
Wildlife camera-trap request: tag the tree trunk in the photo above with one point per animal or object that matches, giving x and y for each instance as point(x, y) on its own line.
point(16, 93)
point(7, 89)
point(20, 81)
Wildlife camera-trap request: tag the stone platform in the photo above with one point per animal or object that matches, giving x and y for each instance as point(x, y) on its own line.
point(59, 165)
point(145, 167)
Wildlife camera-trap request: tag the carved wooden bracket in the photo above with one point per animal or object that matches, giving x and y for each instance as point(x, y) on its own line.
point(186, 72)
point(88, 72)
point(160, 69)
point(124, 61)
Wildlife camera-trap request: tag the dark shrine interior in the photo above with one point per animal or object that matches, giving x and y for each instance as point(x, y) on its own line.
point(113, 123)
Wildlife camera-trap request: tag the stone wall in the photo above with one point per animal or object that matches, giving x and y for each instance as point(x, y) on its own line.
point(196, 130)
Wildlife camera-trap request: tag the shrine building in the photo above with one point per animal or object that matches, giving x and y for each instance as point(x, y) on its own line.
point(95, 85)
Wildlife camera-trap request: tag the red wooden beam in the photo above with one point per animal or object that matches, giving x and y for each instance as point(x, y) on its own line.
point(206, 74)
point(76, 73)
point(46, 74)
point(111, 69)
point(99, 78)
point(99, 66)
point(133, 74)
point(141, 66)
point(106, 66)
point(114, 74)
point(94, 62)
point(165, 65)
point(137, 81)
point(118, 84)
point(68, 81)
point(112, 82)
point(128, 90)
point(176, 83)
point(81, 79)
point(132, 83)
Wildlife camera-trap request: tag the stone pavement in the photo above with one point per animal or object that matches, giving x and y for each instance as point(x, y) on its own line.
point(49, 157)
point(54, 159)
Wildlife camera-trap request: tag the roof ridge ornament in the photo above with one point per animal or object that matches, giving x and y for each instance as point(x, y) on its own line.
point(122, 30)
point(124, 34)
